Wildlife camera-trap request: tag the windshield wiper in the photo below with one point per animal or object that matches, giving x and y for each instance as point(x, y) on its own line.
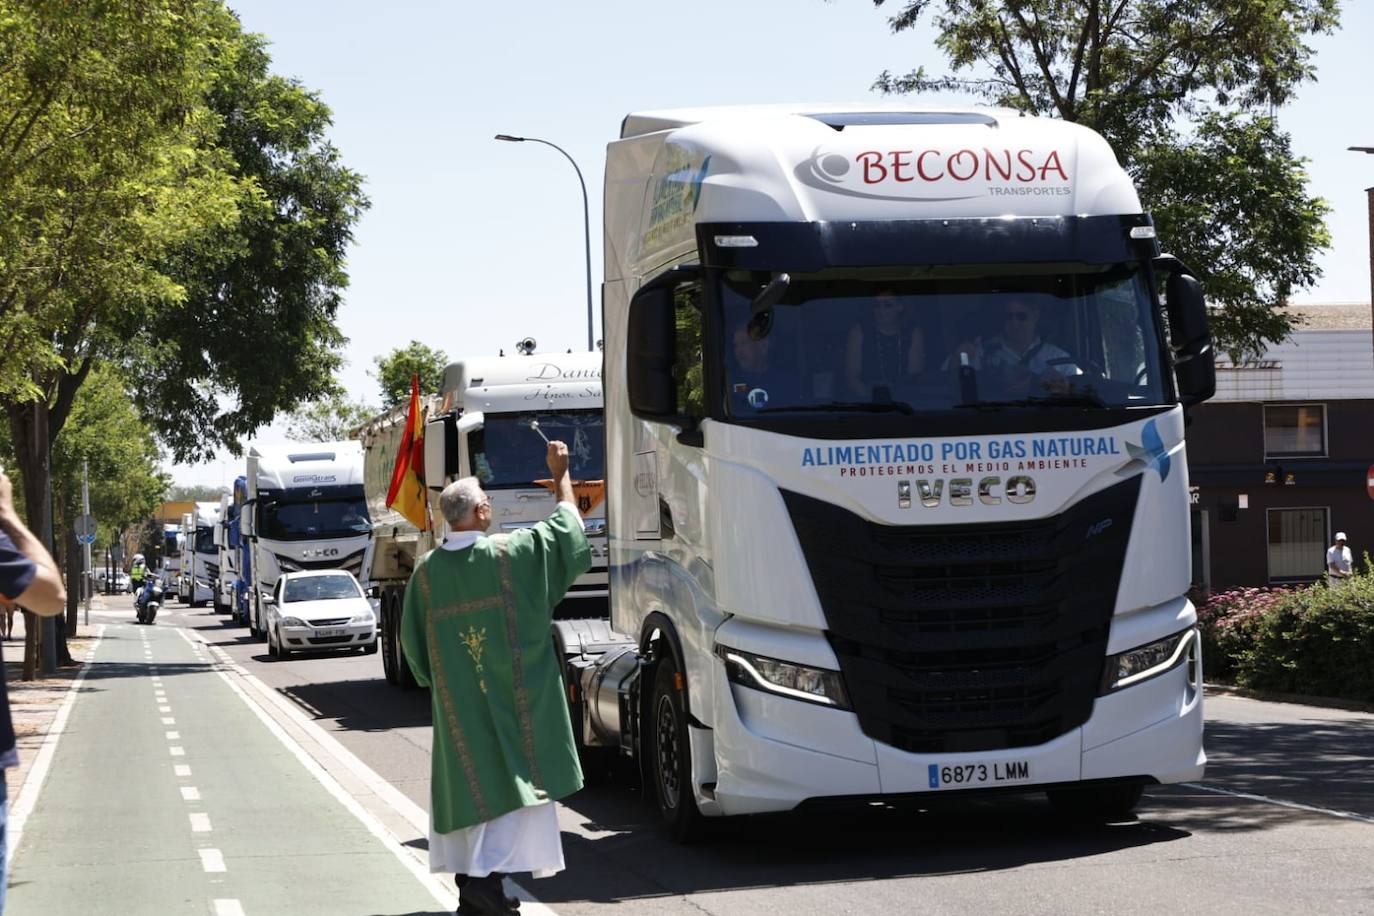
point(844, 407)
point(1059, 400)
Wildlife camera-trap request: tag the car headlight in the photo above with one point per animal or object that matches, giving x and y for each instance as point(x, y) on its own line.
point(1147, 661)
point(293, 622)
point(363, 618)
point(789, 679)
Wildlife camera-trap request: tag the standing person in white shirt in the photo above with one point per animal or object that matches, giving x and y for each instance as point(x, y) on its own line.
point(1338, 560)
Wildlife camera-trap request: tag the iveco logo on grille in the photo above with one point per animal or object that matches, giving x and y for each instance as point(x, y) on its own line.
point(320, 552)
point(991, 490)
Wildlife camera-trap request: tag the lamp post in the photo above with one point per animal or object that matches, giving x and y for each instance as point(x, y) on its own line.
point(586, 222)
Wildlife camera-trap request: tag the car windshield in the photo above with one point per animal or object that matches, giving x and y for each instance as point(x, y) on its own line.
point(321, 588)
point(507, 452)
point(1081, 336)
point(293, 520)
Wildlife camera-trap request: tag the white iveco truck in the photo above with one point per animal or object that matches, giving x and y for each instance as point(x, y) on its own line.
point(898, 496)
point(490, 421)
point(199, 555)
point(305, 510)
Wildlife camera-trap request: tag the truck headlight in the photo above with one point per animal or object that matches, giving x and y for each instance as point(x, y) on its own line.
point(1147, 661)
point(789, 679)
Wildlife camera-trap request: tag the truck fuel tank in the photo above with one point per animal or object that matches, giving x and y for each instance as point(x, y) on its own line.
point(603, 669)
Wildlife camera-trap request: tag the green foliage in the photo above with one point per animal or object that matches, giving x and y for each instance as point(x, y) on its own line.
point(330, 419)
point(1314, 641)
point(198, 493)
point(1178, 87)
point(106, 433)
point(395, 370)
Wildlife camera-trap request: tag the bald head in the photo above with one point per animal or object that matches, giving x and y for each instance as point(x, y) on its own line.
point(462, 502)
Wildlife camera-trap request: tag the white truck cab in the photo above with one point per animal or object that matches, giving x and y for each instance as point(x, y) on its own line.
point(898, 488)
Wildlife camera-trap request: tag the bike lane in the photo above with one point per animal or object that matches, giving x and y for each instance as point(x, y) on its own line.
point(168, 793)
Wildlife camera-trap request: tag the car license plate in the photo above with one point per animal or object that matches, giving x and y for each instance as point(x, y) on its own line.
point(325, 633)
point(971, 775)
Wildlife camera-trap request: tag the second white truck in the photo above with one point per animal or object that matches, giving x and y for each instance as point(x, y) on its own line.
point(489, 421)
point(200, 560)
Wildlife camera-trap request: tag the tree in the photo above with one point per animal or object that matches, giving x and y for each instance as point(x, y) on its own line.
point(170, 207)
point(197, 493)
point(395, 370)
point(329, 419)
point(1181, 89)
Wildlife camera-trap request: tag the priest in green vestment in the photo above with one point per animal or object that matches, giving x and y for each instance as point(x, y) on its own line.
point(476, 631)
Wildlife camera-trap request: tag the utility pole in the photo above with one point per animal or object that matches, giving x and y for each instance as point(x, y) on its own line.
point(87, 579)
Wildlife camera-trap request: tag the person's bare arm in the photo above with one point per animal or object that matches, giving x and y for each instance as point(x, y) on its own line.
point(46, 595)
point(558, 467)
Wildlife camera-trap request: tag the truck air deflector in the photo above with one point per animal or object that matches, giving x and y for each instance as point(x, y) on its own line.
point(814, 246)
point(963, 638)
point(842, 119)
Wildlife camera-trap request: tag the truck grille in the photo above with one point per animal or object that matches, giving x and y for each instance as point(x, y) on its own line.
point(958, 638)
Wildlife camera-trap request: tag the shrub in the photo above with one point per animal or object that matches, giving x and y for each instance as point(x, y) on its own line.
point(1317, 641)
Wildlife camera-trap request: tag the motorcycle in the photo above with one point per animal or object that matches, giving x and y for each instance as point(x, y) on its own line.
point(148, 601)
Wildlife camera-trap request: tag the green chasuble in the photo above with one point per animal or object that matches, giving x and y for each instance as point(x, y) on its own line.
point(476, 631)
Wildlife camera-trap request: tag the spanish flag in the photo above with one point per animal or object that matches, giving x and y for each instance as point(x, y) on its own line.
point(407, 493)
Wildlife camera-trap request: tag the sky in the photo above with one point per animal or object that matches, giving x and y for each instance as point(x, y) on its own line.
point(471, 244)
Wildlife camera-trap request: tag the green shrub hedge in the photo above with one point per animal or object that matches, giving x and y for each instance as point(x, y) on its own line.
point(1317, 640)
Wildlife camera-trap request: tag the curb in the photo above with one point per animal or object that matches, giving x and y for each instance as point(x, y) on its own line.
point(1269, 696)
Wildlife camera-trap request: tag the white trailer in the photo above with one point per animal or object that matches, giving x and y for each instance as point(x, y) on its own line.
point(480, 425)
point(200, 560)
point(305, 509)
point(898, 492)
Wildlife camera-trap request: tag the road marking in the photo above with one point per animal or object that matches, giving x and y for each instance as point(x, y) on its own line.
point(212, 860)
point(1282, 803)
point(228, 908)
point(200, 823)
point(438, 889)
point(27, 796)
point(190, 793)
point(174, 736)
point(178, 751)
point(168, 720)
point(164, 709)
point(182, 769)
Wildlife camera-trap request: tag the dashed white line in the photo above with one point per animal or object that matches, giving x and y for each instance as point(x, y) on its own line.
point(228, 908)
point(182, 769)
point(164, 709)
point(200, 823)
point(178, 751)
point(173, 736)
point(212, 860)
point(190, 793)
point(168, 720)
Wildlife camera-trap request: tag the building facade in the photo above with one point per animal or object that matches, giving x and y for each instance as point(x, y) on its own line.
point(1283, 457)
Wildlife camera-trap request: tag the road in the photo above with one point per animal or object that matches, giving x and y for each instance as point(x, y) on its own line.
point(1282, 822)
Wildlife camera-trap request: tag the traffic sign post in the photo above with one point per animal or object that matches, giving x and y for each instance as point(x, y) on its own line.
point(85, 534)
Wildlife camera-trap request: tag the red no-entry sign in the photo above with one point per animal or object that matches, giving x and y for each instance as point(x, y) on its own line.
point(1369, 481)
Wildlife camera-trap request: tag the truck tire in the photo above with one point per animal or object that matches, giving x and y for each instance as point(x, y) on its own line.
point(670, 755)
point(1096, 804)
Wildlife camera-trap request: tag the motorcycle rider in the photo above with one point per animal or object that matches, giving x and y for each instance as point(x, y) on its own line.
point(137, 570)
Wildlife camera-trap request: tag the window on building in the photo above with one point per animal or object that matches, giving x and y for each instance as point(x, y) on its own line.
point(1297, 544)
point(1294, 430)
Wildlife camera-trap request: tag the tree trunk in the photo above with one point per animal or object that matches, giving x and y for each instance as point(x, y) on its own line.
point(29, 432)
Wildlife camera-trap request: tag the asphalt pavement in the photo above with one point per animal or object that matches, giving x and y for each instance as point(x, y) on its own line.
point(1282, 822)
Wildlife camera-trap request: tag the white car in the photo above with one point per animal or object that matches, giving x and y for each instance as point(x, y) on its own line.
point(319, 610)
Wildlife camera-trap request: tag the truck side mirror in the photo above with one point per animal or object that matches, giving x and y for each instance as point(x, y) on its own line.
point(651, 348)
point(441, 451)
point(1194, 356)
point(246, 527)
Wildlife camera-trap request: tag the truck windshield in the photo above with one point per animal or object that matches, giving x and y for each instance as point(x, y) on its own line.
point(285, 519)
point(1080, 336)
point(205, 540)
point(508, 453)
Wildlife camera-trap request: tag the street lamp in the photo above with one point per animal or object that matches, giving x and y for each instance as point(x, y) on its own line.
point(586, 222)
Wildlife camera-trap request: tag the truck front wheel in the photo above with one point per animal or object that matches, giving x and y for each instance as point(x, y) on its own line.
point(670, 755)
